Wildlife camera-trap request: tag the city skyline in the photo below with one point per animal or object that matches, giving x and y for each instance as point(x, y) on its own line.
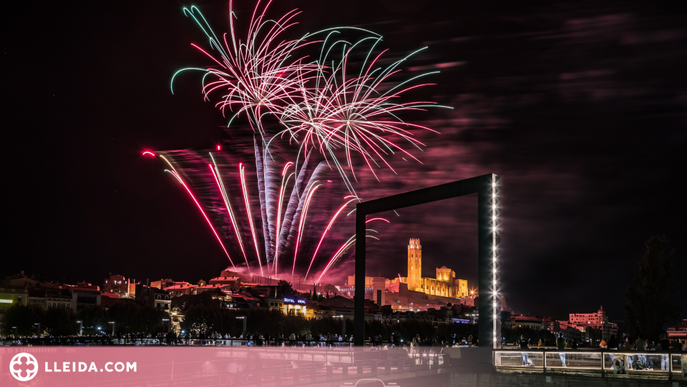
point(116, 286)
point(587, 145)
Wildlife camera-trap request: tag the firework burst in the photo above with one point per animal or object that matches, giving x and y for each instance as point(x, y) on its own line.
point(321, 104)
point(256, 74)
point(351, 113)
point(283, 226)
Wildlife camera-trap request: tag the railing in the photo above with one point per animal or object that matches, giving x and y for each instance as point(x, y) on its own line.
point(603, 362)
point(154, 341)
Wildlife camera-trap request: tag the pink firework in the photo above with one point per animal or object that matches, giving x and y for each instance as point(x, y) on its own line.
point(282, 227)
point(176, 175)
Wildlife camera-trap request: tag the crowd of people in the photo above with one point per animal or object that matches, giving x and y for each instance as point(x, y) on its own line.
point(639, 361)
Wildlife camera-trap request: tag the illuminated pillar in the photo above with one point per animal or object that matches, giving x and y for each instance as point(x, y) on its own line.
point(488, 234)
point(359, 306)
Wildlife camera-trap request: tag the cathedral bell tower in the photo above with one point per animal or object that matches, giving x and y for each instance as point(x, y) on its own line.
point(414, 264)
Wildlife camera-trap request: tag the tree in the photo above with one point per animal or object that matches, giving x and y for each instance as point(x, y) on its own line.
point(61, 322)
point(198, 319)
point(330, 288)
point(647, 298)
point(126, 315)
point(23, 317)
point(294, 324)
point(284, 288)
point(151, 320)
point(204, 299)
point(405, 329)
point(264, 321)
point(93, 316)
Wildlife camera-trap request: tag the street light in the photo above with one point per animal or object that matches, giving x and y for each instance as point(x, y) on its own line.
point(38, 329)
point(244, 325)
point(113, 327)
point(80, 327)
point(166, 322)
point(15, 332)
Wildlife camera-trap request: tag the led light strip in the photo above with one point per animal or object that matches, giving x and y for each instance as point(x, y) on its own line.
point(494, 230)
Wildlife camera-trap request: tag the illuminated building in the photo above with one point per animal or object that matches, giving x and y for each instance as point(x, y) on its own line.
point(533, 322)
point(375, 289)
point(108, 299)
point(9, 297)
point(51, 298)
point(679, 331)
point(153, 297)
point(444, 285)
point(117, 284)
point(414, 292)
point(591, 319)
point(289, 306)
point(84, 295)
point(165, 283)
point(598, 320)
point(20, 281)
point(233, 283)
point(183, 289)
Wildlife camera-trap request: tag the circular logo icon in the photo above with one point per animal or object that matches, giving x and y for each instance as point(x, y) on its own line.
point(23, 367)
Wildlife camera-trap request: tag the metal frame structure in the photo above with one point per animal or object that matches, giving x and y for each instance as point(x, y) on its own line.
point(486, 187)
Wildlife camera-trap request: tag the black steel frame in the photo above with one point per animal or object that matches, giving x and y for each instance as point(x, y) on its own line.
point(485, 187)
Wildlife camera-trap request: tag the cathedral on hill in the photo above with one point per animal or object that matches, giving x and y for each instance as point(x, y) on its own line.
point(444, 285)
point(414, 292)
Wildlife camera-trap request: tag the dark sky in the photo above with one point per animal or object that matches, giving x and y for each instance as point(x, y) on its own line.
point(578, 107)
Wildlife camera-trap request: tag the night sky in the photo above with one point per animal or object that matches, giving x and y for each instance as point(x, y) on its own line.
point(578, 107)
